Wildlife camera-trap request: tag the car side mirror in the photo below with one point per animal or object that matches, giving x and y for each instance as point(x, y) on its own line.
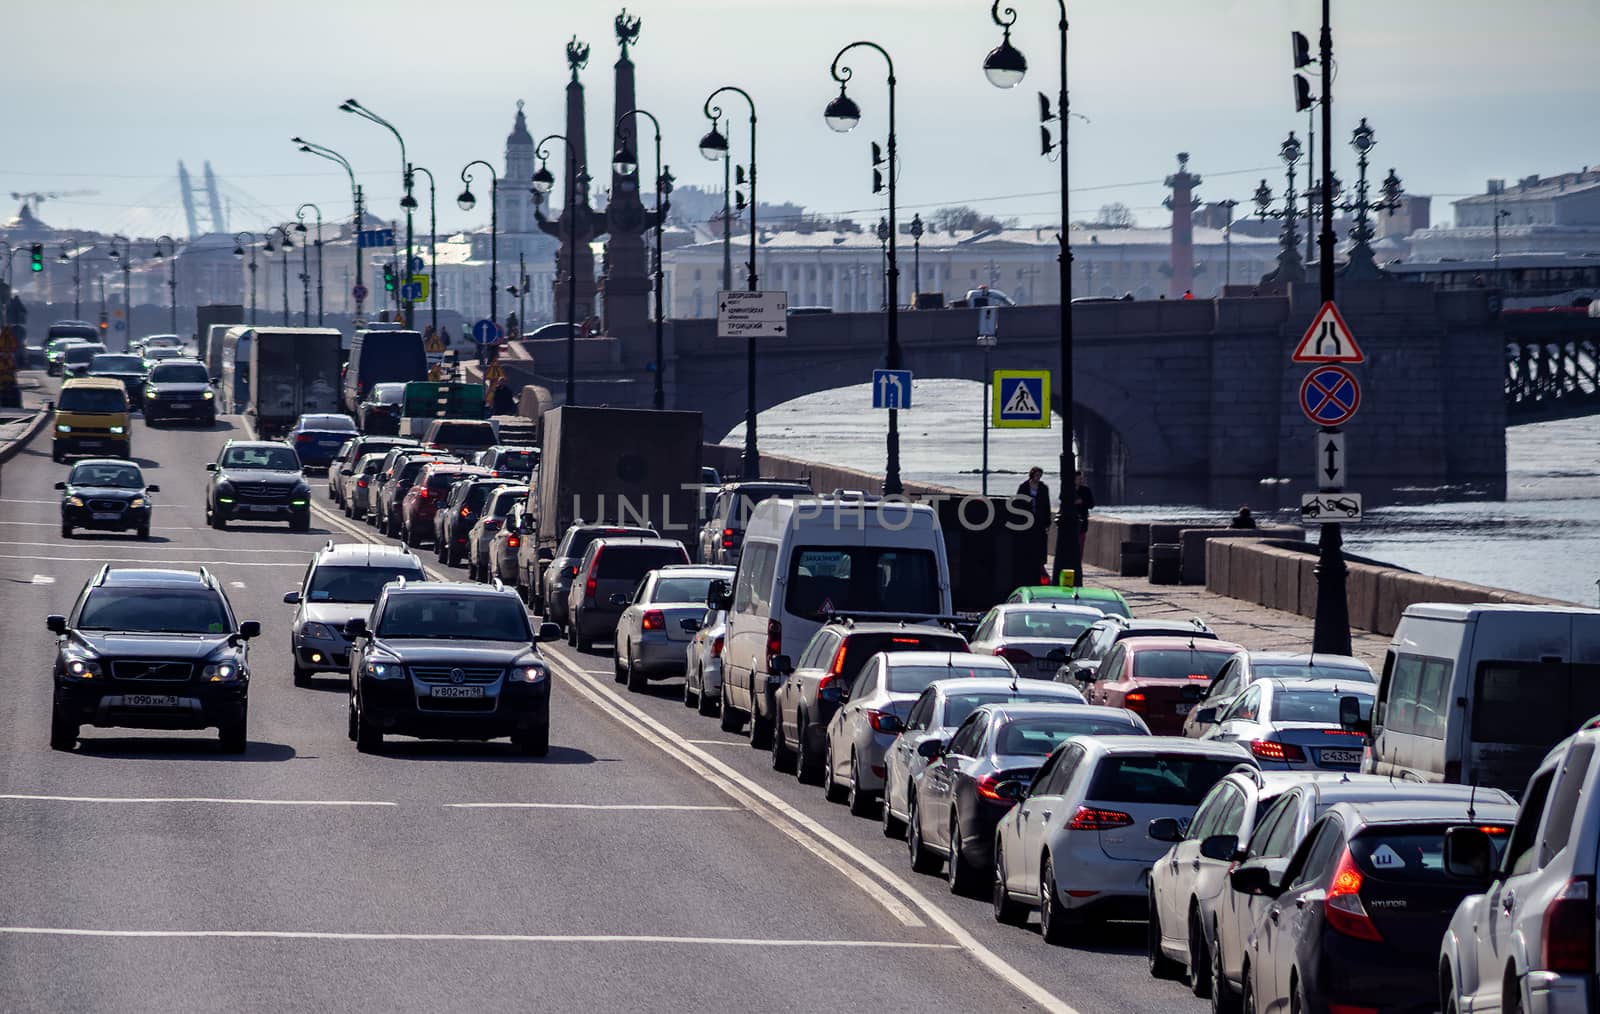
point(930, 749)
point(546, 555)
point(1254, 879)
point(216, 380)
point(211, 466)
point(1468, 853)
point(57, 624)
point(619, 599)
point(355, 627)
point(1194, 692)
point(689, 624)
point(1165, 829)
point(891, 724)
point(1350, 716)
point(549, 632)
point(292, 598)
point(1205, 716)
point(249, 629)
point(61, 485)
point(720, 596)
point(1221, 847)
point(152, 488)
point(781, 665)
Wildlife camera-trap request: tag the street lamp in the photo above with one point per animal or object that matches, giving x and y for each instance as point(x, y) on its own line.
point(1363, 139)
point(714, 145)
point(916, 257)
point(1289, 268)
point(626, 164)
point(288, 244)
point(238, 252)
point(1005, 67)
point(408, 202)
point(543, 183)
point(172, 275)
point(300, 214)
point(842, 115)
point(466, 202)
point(433, 251)
point(355, 195)
point(126, 257)
point(77, 279)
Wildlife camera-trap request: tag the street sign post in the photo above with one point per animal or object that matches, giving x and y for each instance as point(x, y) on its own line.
point(418, 265)
point(742, 314)
point(1330, 508)
point(1330, 461)
point(891, 389)
point(1330, 395)
point(375, 237)
point(1328, 340)
point(419, 285)
point(1021, 399)
point(988, 326)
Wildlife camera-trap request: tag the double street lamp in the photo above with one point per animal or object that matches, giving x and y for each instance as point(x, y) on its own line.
point(239, 242)
point(125, 256)
point(433, 250)
point(626, 164)
point(466, 202)
point(288, 244)
point(305, 272)
point(408, 202)
point(543, 182)
point(842, 114)
point(172, 273)
point(77, 279)
point(355, 195)
point(714, 146)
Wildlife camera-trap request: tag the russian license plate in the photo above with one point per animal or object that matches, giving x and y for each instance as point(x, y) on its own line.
point(150, 701)
point(1183, 709)
point(1046, 666)
point(106, 515)
point(259, 508)
point(1351, 757)
point(181, 406)
point(458, 691)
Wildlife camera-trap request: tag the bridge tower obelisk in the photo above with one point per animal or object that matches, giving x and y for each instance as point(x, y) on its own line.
point(577, 225)
point(626, 284)
point(1182, 202)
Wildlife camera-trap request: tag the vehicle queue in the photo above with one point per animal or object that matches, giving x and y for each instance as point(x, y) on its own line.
point(1296, 832)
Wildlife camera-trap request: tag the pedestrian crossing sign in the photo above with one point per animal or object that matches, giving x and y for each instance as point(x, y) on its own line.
point(1021, 399)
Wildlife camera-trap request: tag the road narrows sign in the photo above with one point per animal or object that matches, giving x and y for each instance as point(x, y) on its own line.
point(1329, 340)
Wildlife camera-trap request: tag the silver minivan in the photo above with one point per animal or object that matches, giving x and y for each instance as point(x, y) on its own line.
point(1477, 694)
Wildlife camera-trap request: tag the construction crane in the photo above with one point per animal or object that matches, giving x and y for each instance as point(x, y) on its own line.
point(35, 199)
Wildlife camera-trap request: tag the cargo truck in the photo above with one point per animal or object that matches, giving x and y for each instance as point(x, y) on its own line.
point(210, 324)
point(293, 371)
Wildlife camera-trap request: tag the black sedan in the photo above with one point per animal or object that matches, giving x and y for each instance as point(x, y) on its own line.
point(128, 369)
point(108, 494)
point(317, 438)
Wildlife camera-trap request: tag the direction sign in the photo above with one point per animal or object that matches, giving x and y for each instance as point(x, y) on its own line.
point(420, 283)
point(411, 291)
point(375, 237)
point(891, 388)
point(1331, 508)
point(1328, 340)
point(1330, 461)
point(418, 264)
point(1021, 399)
point(120, 325)
point(743, 314)
point(1329, 395)
point(359, 292)
point(484, 332)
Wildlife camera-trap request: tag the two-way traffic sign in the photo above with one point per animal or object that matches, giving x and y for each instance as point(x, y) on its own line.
point(1330, 461)
point(742, 314)
point(891, 389)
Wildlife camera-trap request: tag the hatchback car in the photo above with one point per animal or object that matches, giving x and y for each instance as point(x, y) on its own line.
point(702, 680)
point(1095, 643)
point(660, 620)
point(1159, 677)
point(1295, 726)
point(106, 494)
point(547, 577)
point(426, 495)
point(151, 649)
point(317, 438)
point(611, 569)
point(1246, 667)
point(1034, 637)
point(341, 583)
point(75, 359)
point(500, 557)
point(400, 469)
point(341, 470)
point(358, 484)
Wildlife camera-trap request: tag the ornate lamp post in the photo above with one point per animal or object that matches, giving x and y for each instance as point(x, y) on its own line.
point(466, 202)
point(543, 182)
point(355, 195)
point(626, 163)
point(433, 251)
point(1361, 263)
point(714, 145)
point(304, 274)
point(77, 279)
point(408, 202)
point(238, 252)
point(916, 257)
point(288, 244)
point(172, 273)
point(1290, 268)
point(842, 115)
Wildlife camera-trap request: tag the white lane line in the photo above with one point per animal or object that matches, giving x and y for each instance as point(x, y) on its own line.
point(670, 807)
point(298, 564)
point(716, 742)
point(236, 584)
point(22, 797)
point(62, 544)
point(504, 938)
point(43, 579)
point(56, 524)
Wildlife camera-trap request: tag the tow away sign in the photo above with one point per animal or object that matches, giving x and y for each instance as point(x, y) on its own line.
point(742, 314)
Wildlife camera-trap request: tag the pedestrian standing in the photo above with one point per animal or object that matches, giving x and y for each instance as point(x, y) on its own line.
point(504, 403)
point(1083, 503)
point(1034, 490)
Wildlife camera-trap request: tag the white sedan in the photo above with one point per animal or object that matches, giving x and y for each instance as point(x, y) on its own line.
point(702, 682)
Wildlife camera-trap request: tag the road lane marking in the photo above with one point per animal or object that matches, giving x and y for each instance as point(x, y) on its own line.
point(298, 564)
point(504, 938)
point(670, 807)
point(61, 544)
point(715, 742)
point(43, 579)
point(17, 796)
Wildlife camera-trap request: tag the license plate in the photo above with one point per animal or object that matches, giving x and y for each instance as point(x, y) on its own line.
point(1049, 667)
point(256, 508)
point(150, 701)
point(1351, 757)
point(180, 406)
point(458, 691)
point(106, 515)
point(1183, 709)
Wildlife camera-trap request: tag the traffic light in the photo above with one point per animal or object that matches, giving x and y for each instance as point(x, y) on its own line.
point(1302, 93)
point(877, 174)
point(37, 250)
point(1302, 49)
point(388, 278)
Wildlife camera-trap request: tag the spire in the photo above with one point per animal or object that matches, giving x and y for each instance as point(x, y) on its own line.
point(519, 133)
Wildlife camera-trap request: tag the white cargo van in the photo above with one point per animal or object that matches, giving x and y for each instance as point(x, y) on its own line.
point(1479, 693)
point(806, 560)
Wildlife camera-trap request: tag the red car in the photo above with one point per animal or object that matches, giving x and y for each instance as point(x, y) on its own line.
point(422, 500)
point(1153, 676)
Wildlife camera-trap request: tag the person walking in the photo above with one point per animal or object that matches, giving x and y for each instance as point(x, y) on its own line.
point(1083, 503)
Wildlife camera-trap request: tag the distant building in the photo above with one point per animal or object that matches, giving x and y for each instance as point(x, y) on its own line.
point(1538, 214)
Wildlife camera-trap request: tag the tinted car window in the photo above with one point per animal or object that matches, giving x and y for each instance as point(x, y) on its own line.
point(1038, 736)
point(860, 647)
point(1045, 623)
point(477, 493)
point(1314, 705)
point(91, 399)
point(154, 610)
point(633, 562)
point(179, 373)
point(334, 583)
point(1271, 670)
point(116, 364)
point(1413, 853)
point(578, 539)
point(911, 679)
point(279, 459)
point(392, 358)
point(825, 580)
point(1178, 663)
point(958, 705)
point(109, 475)
point(683, 589)
point(464, 432)
point(387, 394)
point(468, 618)
point(966, 740)
point(1274, 825)
point(1163, 779)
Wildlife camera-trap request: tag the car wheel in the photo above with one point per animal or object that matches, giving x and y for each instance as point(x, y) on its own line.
point(783, 758)
point(731, 719)
point(705, 703)
point(1297, 996)
point(922, 861)
point(143, 532)
point(809, 763)
point(960, 875)
point(66, 530)
point(893, 827)
point(584, 644)
point(369, 739)
point(618, 674)
point(1199, 958)
point(1223, 999)
point(533, 742)
point(63, 731)
point(1247, 992)
point(302, 675)
point(218, 521)
point(1007, 910)
point(300, 523)
point(233, 736)
point(689, 695)
point(832, 791)
point(1155, 959)
point(860, 800)
point(351, 717)
point(638, 682)
point(760, 731)
point(1053, 924)
point(410, 538)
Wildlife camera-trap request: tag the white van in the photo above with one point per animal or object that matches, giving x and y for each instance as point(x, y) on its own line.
point(1479, 693)
point(806, 560)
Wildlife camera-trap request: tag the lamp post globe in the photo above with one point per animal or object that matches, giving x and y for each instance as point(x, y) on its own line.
point(625, 162)
point(466, 202)
point(238, 251)
point(1005, 66)
point(713, 146)
point(842, 113)
point(543, 180)
point(1363, 139)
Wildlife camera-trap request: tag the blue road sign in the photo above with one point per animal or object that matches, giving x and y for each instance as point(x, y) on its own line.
point(418, 264)
point(120, 325)
point(376, 237)
point(1329, 395)
point(1021, 399)
point(411, 291)
point(485, 333)
point(891, 388)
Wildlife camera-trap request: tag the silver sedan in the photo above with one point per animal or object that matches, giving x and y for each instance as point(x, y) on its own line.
point(1035, 637)
point(654, 630)
point(1293, 725)
point(702, 681)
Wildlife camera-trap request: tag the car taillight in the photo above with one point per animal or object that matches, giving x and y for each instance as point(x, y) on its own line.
point(883, 721)
point(727, 538)
point(302, 438)
point(828, 687)
point(654, 619)
point(1346, 915)
point(1569, 929)
point(774, 641)
point(594, 573)
point(716, 647)
point(1001, 788)
point(837, 665)
point(1133, 701)
point(1090, 818)
point(1016, 656)
point(1271, 749)
point(362, 483)
point(513, 542)
point(906, 640)
point(422, 494)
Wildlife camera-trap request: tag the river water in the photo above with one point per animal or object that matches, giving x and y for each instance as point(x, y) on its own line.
point(1543, 539)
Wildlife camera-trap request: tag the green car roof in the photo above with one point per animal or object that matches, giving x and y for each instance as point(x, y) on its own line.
point(1107, 600)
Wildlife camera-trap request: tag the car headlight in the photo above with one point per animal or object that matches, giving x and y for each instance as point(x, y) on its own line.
point(63, 428)
point(137, 502)
point(223, 672)
point(320, 631)
point(208, 396)
point(75, 501)
point(116, 429)
point(527, 674)
point(82, 668)
point(150, 392)
point(386, 670)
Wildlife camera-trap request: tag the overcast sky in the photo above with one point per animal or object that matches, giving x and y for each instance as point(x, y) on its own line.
point(108, 96)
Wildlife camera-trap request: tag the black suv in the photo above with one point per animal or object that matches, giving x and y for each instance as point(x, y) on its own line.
point(449, 661)
point(151, 649)
point(505, 460)
point(179, 389)
point(109, 494)
point(454, 520)
point(257, 480)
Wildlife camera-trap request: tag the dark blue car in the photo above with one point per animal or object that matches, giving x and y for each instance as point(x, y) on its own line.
point(317, 438)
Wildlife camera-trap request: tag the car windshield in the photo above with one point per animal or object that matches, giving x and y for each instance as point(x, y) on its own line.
point(335, 583)
point(1038, 736)
point(683, 589)
point(369, 463)
point(581, 537)
point(328, 423)
point(92, 399)
point(93, 473)
point(179, 373)
point(1045, 623)
point(83, 353)
point(515, 461)
point(460, 617)
point(1313, 671)
point(1159, 779)
point(154, 610)
point(153, 355)
point(630, 563)
point(277, 459)
point(824, 580)
point(465, 433)
point(1320, 706)
point(502, 504)
point(913, 679)
point(1179, 663)
point(116, 364)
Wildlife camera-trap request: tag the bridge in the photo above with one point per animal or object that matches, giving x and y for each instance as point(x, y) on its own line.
point(1552, 365)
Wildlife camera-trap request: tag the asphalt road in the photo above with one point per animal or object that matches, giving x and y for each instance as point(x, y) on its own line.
point(650, 862)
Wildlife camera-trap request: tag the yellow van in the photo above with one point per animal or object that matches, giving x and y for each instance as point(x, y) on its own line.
point(92, 416)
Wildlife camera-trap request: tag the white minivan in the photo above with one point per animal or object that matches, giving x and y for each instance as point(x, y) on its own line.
point(806, 560)
point(1479, 693)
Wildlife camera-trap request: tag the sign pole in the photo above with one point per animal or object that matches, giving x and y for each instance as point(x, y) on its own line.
point(984, 419)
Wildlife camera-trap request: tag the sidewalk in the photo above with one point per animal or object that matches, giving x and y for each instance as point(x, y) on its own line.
point(1256, 627)
point(17, 426)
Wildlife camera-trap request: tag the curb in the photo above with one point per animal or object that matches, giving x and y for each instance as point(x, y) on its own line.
point(10, 450)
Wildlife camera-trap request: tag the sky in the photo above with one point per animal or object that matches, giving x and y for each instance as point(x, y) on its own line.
point(108, 95)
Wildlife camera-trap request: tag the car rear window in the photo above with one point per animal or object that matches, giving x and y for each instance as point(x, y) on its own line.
point(584, 536)
point(860, 647)
point(1414, 853)
point(913, 679)
point(634, 562)
point(515, 461)
point(1158, 779)
point(957, 706)
point(683, 589)
point(746, 499)
point(1315, 705)
point(92, 399)
point(1038, 736)
point(478, 493)
point(465, 433)
point(1179, 663)
point(116, 364)
point(870, 579)
point(1533, 703)
point(1045, 623)
point(438, 482)
point(1293, 671)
